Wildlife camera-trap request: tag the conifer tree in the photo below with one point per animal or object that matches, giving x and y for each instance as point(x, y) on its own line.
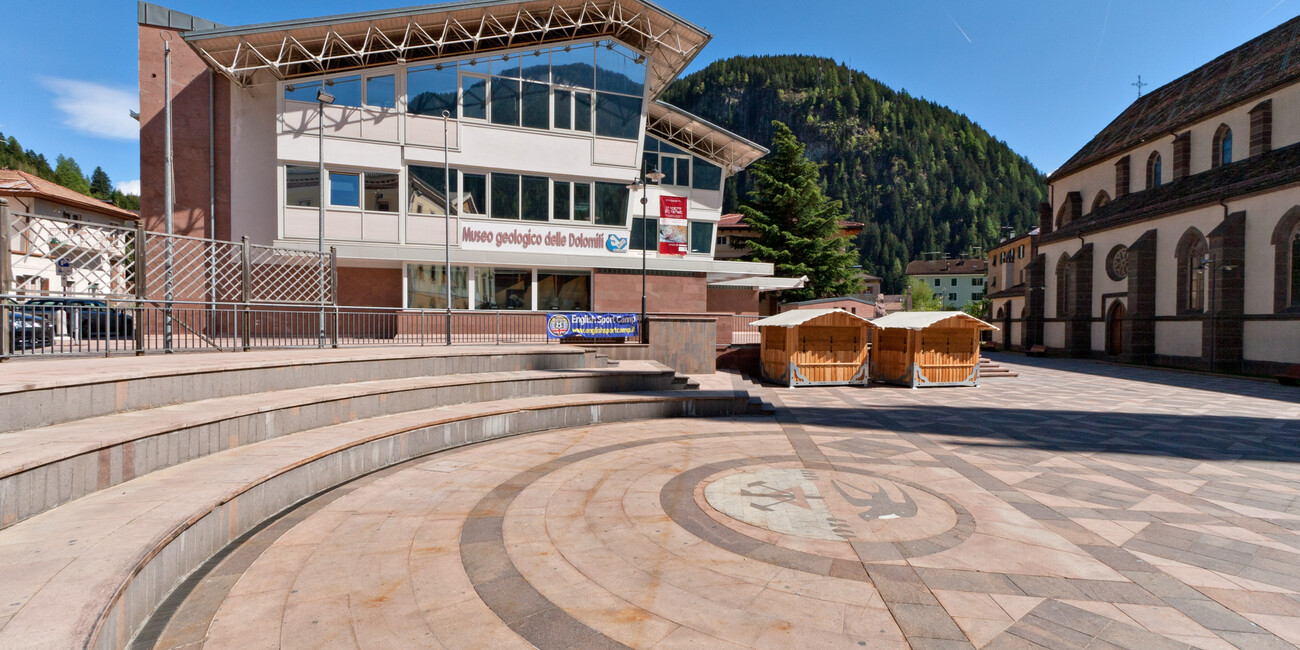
point(100, 186)
point(68, 174)
point(798, 226)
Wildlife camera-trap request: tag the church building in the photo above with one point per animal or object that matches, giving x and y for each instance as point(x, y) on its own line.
point(1173, 237)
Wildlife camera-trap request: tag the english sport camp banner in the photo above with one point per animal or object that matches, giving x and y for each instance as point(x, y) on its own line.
point(672, 225)
point(590, 325)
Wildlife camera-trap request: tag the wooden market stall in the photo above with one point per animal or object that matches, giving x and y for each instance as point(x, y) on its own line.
point(928, 348)
point(815, 347)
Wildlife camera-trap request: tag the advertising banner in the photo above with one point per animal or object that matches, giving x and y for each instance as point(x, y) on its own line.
point(672, 225)
point(520, 238)
point(590, 325)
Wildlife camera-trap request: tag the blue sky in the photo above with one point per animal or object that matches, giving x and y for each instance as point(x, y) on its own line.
point(1044, 76)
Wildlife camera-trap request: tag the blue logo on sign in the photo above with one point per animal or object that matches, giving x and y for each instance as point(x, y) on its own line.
point(558, 325)
point(615, 244)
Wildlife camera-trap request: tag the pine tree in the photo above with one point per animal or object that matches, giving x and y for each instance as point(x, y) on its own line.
point(100, 186)
point(68, 174)
point(798, 226)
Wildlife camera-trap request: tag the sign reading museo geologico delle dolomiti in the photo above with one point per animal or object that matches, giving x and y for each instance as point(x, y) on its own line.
point(522, 238)
point(672, 225)
point(590, 325)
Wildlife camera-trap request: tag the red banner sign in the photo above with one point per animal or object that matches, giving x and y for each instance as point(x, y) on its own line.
point(673, 231)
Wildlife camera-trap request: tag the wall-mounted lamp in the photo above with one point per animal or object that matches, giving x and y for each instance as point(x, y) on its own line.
point(324, 97)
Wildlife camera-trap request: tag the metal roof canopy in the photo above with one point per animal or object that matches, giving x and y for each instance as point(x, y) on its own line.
point(919, 320)
point(314, 46)
point(701, 137)
point(797, 317)
point(762, 283)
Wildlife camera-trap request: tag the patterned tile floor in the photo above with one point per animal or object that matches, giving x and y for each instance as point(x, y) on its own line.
point(1080, 505)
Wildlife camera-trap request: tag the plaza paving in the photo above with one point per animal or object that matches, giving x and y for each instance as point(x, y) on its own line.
point(1080, 505)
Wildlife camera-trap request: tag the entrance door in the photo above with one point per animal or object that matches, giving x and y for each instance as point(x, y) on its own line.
point(1115, 329)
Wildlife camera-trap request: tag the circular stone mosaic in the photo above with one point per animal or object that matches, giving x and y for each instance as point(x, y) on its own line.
point(829, 505)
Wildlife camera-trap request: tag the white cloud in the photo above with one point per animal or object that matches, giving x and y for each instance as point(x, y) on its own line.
point(95, 109)
point(129, 187)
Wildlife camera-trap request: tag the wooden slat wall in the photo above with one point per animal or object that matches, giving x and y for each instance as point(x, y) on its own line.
point(830, 354)
point(773, 354)
point(948, 355)
point(889, 358)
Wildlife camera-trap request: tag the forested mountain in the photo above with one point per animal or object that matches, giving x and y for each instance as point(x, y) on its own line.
point(919, 175)
point(65, 172)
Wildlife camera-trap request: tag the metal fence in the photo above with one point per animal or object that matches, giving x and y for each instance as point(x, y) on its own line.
point(71, 287)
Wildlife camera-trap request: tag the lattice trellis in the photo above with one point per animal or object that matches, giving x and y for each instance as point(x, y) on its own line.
point(280, 275)
point(190, 269)
point(92, 259)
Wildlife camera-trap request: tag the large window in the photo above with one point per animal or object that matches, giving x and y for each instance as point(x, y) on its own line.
point(544, 89)
point(302, 186)
point(1190, 252)
point(708, 176)
point(381, 91)
point(611, 204)
point(679, 167)
point(345, 189)
point(645, 234)
point(381, 193)
point(1295, 270)
point(425, 193)
point(563, 291)
point(505, 196)
point(432, 90)
point(427, 286)
point(1221, 152)
point(1153, 170)
point(514, 196)
point(701, 237)
point(496, 288)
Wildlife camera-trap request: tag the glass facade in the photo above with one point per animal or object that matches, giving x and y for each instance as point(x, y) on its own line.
point(563, 291)
point(701, 237)
point(645, 234)
point(345, 189)
point(499, 288)
point(302, 186)
point(679, 167)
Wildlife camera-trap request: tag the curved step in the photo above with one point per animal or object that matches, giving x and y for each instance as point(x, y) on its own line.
point(89, 573)
point(44, 467)
point(37, 393)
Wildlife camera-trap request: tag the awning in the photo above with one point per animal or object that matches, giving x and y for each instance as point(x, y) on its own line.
point(800, 316)
point(701, 137)
point(919, 320)
point(314, 46)
point(761, 283)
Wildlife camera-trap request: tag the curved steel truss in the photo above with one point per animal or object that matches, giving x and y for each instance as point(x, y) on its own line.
point(316, 46)
point(707, 140)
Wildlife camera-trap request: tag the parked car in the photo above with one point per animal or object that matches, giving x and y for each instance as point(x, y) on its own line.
point(28, 331)
point(91, 318)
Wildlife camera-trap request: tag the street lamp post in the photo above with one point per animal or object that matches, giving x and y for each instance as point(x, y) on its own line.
point(642, 183)
point(322, 98)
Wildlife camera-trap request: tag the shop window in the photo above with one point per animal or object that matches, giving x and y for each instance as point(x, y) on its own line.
point(534, 198)
point(302, 186)
point(381, 192)
point(503, 288)
point(644, 235)
point(701, 237)
point(505, 196)
point(561, 291)
point(424, 190)
point(381, 91)
point(432, 90)
point(708, 176)
point(426, 286)
point(611, 204)
point(345, 189)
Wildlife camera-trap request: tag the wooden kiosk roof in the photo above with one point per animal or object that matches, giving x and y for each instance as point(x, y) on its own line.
point(796, 317)
point(919, 320)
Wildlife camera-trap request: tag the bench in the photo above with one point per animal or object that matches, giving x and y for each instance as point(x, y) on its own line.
point(1036, 351)
point(1291, 377)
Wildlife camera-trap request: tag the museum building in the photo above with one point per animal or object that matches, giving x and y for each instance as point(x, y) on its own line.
point(535, 117)
point(1173, 237)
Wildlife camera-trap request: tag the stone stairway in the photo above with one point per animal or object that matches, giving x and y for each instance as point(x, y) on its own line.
point(990, 370)
point(119, 477)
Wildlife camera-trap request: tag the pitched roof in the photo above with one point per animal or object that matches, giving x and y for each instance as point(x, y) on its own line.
point(825, 300)
point(1261, 64)
point(19, 183)
point(919, 320)
point(800, 316)
point(947, 267)
point(1254, 174)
